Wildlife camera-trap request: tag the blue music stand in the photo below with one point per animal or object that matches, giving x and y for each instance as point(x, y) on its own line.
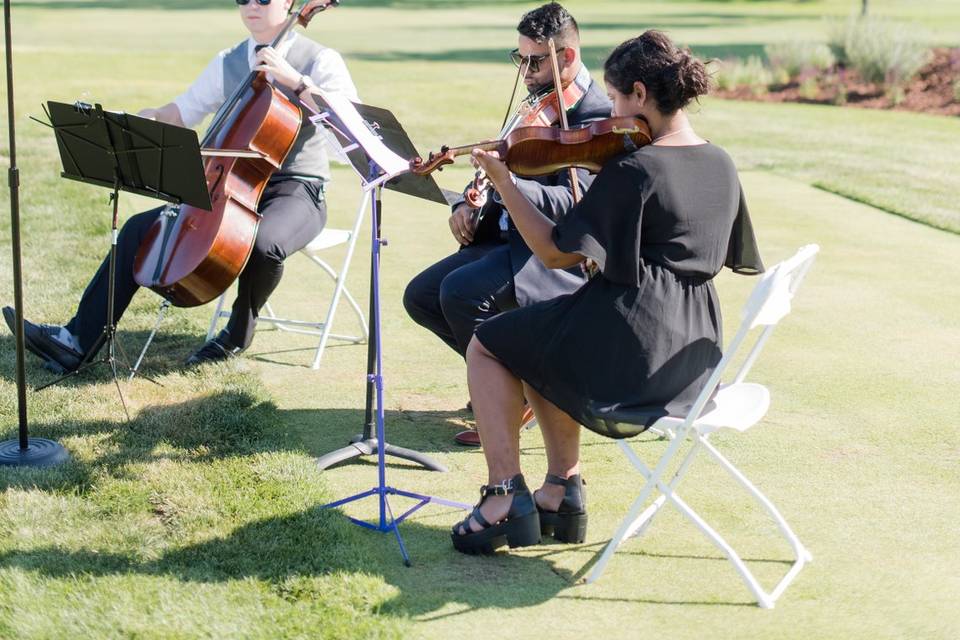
point(355, 134)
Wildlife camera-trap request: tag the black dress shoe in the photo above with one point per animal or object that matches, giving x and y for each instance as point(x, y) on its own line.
point(39, 340)
point(215, 350)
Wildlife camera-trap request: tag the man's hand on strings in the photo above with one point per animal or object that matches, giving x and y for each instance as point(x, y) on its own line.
point(277, 66)
point(463, 223)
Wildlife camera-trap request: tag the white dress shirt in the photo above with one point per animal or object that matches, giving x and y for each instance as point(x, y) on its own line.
point(206, 94)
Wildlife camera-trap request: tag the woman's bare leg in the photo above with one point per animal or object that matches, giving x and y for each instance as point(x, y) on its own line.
point(497, 397)
point(561, 438)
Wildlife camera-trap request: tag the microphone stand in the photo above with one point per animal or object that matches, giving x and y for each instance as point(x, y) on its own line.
point(24, 451)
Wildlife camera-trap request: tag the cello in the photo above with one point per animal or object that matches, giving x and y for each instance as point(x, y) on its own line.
point(190, 256)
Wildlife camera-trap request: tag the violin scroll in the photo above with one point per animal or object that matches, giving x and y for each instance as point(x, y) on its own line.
point(312, 7)
point(434, 161)
point(476, 194)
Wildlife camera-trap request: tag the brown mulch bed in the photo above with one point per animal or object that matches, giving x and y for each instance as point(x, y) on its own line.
point(932, 90)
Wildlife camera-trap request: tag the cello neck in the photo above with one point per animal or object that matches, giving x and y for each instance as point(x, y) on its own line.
point(302, 16)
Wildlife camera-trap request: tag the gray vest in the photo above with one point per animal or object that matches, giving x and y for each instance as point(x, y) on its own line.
point(308, 156)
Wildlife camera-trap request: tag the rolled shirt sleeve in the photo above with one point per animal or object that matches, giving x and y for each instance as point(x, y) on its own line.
point(206, 94)
point(331, 75)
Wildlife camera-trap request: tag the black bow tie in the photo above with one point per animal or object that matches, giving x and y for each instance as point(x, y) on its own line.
point(257, 48)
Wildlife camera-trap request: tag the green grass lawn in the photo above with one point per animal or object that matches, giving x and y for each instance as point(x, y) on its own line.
point(200, 517)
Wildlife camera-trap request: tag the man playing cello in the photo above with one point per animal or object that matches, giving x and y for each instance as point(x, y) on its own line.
point(292, 206)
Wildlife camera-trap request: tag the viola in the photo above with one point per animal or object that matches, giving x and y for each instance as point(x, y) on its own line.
point(531, 152)
point(190, 256)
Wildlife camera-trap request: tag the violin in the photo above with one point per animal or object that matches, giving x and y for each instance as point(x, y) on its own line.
point(191, 256)
point(531, 152)
point(540, 109)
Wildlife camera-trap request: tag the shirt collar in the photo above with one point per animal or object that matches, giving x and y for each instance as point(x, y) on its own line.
point(282, 49)
point(583, 78)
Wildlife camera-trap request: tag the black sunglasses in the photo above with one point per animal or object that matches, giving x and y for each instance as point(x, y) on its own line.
point(532, 62)
point(260, 2)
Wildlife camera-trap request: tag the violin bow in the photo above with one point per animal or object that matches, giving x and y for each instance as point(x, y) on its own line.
point(562, 108)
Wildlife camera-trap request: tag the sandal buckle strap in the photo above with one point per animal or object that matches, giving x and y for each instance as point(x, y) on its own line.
point(504, 488)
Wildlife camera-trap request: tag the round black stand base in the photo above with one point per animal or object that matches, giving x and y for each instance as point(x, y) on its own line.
point(40, 453)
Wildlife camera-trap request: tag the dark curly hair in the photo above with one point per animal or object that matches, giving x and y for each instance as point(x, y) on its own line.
point(673, 76)
point(550, 21)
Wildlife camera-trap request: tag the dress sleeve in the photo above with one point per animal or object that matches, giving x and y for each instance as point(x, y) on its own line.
point(605, 225)
point(743, 255)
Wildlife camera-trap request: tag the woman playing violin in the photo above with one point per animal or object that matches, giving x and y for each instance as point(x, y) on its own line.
point(292, 206)
point(494, 270)
point(644, 333)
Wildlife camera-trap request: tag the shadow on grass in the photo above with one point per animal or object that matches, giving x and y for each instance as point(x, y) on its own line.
point(318, 542)
point(167, 353)
point(198, 430)
point(227, 423)
point(287, 552)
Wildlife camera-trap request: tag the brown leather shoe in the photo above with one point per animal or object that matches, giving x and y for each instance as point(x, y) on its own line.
point(471, 438)
point(527, 418)
point(468, 438)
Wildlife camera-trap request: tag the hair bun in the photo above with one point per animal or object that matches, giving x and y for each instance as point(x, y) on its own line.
point(673, 76)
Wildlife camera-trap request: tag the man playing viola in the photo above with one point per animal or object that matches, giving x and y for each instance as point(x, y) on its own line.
point(292, 206)
point(494, 270)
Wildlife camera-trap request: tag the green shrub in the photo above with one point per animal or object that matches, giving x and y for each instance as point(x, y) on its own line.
point(809, 88)
point(956, 90)
point(735, 73)
point(794, 58)
point(895, 94)
point(881, 51)
point(840, 97)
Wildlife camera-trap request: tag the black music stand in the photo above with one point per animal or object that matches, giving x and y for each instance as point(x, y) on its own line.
point(125, 153)
point(384, 125)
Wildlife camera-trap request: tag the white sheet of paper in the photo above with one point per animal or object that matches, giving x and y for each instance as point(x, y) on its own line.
point(392, 164)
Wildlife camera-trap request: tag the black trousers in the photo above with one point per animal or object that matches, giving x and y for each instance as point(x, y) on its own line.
point(293, 214)
point(453, 296)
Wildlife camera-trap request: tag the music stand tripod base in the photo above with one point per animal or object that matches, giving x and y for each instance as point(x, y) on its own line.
point(40, 452)
point(361, 445)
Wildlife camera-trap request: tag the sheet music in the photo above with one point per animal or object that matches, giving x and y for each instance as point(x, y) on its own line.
point(392, 164)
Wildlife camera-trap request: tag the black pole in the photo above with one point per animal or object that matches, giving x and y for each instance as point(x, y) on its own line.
point(367, 443)
point(14, 181)
point(25, 451)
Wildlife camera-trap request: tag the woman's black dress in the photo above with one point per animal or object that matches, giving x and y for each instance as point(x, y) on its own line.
point(644, 334)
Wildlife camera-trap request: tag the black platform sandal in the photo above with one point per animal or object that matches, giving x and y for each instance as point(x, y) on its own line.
point(521, 527)
point(569, 522)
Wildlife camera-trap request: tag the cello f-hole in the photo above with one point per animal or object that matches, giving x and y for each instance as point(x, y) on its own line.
point(213, 188)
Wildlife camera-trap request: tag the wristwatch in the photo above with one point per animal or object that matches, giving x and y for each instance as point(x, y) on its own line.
point(304, 83)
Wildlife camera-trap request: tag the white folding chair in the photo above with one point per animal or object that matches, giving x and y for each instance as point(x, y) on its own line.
point(325, 240)
point(737, 405)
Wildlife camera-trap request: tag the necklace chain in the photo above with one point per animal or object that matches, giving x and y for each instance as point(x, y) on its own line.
point(672, 133)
